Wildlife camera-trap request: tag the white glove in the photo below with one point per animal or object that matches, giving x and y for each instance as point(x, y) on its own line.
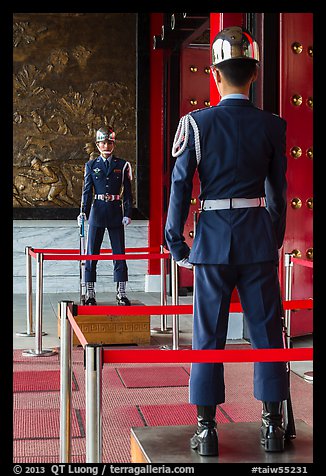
point(184, 263)
point(126, 221)
point(81, 218)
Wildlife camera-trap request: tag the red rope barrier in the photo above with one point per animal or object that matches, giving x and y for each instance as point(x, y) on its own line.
point(133, 310)
point(55, 250)
point(303, 262)
point(195, 356)
point(198, 356)
point(171, 309)
point(298, 304)
point(77, 251)
point(208, 356)
point(131, 256)
point(76, 328)
point(32, 253)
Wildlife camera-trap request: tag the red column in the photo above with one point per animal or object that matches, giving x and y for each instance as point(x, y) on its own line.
point(215, 27)
point(155, 232)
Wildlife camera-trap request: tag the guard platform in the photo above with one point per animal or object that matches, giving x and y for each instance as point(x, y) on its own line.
point(112, 329)
point(238, 443)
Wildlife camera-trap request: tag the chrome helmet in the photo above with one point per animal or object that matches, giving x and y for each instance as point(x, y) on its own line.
point(234, 43)
point(105, 133)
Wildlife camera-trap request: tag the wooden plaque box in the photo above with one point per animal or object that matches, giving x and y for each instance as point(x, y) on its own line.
point(111, 329)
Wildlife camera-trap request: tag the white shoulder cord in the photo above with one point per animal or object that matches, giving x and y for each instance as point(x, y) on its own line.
point(182, 135)
point(127, 164)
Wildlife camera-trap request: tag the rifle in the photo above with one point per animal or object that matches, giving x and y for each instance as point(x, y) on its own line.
point(288, 418)
point(82, 250)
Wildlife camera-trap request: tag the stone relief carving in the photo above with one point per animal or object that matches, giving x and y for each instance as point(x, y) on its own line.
point(25, 33)
point(55, 123)
point(91, 150)
point(26, 82)
point(82, 55)
point(58, 61)
point(47, 181)
point(39, 122)
point(18, 118)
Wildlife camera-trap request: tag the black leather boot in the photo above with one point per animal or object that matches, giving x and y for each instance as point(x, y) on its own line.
point(272, 431)
point(205, 439)
point(121, 294)
point(123, 300)
point(90, 294)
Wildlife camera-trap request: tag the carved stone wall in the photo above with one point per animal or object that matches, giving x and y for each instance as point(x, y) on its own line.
point(72, 73)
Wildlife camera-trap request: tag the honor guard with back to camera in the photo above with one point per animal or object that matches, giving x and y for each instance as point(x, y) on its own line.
point(239, 151)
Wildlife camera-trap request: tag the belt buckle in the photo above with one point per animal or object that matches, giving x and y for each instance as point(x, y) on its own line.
point(107, 197)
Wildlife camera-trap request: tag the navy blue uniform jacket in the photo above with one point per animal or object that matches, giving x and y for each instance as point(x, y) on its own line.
point(114, 181)
point(243, 154)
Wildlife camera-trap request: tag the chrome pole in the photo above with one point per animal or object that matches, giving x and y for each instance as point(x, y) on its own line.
point(65, 383)
point(288, 294)
point(93, 378)
point(195, 224)
point(163, 329)
point(163, 290)
point(29, 297)
point(39, 352)
point(175, 302)
point(39, 303)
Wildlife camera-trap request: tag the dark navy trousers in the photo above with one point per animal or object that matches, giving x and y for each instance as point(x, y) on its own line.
point(259, 292)
point(94, 241)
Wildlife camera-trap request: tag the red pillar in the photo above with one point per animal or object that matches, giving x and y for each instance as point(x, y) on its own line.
point(155, 232)
point(215, 27)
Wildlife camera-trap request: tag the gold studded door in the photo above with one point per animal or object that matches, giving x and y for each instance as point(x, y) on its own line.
point(296, 104)
point(194, 94)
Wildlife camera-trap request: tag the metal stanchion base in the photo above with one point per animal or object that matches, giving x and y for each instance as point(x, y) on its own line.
point(42, 353)
point(169, 330)
point(30, 334)
point(158, 330)
point(309, 376)
point(180, 347)
point(165, 347)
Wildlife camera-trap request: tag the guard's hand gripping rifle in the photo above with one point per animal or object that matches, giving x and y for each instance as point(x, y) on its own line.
point(82, 249)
